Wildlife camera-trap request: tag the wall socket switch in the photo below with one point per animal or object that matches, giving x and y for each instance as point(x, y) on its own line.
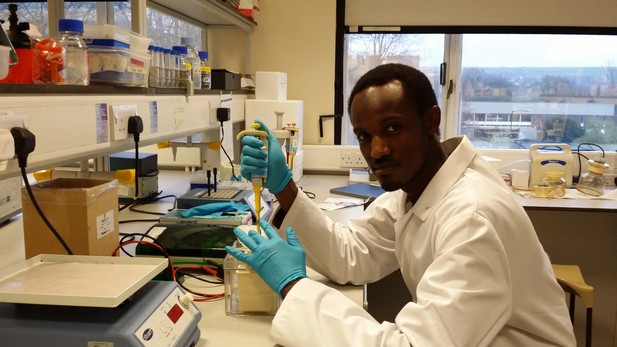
point(352, 159)
point(119, 120)
point(8, 120)
point(610, 179)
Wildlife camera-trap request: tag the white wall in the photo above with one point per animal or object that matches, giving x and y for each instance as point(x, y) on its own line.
point(592, 13)
point(297, 37)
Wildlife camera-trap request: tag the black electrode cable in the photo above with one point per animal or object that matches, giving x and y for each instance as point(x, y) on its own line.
point(38, 209)
point(136, 126)
point(24, 145)
point(137, 170)
point(233, 173)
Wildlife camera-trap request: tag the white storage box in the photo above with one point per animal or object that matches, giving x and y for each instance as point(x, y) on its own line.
point(108, 32)
point(112, 62)
point(112, 32)
point(107, 60)
point(270, 85)
point(139, 68)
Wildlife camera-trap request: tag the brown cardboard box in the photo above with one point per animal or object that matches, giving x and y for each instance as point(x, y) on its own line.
point(83, 211)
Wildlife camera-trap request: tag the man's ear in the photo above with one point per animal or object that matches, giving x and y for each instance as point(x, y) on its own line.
point(433, 119)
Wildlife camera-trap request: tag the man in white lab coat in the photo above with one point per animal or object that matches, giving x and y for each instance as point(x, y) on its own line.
point(466, 249)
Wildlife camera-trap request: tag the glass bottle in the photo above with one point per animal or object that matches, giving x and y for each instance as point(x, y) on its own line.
point(592, 182)
point(206, 71)
point(556, 184)
point(193, 60)
point(74, 51)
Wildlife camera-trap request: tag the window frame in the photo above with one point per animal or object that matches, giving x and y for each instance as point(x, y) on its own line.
point(452, 59)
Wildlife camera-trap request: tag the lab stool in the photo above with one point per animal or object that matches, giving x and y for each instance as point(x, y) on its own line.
point(571, 280)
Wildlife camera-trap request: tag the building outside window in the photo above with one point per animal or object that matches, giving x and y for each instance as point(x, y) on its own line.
point(511, 90)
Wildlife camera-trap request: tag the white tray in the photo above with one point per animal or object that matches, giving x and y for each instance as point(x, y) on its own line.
point(77, 280)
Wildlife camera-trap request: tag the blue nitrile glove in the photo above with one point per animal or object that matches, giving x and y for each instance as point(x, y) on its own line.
point(277, 261)
point(253, 161)
point(213, 209)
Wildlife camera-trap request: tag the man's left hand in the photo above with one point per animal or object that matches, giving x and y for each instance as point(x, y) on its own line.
point(277, 261)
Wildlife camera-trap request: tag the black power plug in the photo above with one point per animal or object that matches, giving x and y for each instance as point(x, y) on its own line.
point(135, 126)
point(25, 142)
point(223, 114)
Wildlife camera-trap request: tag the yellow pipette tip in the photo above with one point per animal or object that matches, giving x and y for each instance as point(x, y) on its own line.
point(257, 191)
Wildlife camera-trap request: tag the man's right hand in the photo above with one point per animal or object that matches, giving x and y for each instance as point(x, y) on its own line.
point(254, 161)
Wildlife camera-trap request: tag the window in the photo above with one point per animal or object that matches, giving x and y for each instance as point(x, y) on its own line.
point(166, 30)
point(34, 13)
point(521, 89)
point(93, 12)
point(366, 51)
point(512, 89)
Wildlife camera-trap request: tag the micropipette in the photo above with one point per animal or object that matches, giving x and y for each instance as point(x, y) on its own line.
point(292, 143)
point(257, 180)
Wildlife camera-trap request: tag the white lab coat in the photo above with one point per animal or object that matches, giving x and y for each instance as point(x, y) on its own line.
point(468, 254)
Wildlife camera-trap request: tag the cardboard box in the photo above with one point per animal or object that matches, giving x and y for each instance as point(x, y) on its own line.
point(225, 80)
point(84, 212)
point(249, 8)
point(270, 85)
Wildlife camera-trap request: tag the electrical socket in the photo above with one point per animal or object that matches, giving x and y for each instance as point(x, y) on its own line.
point(119, 120)
point(8, 120)
point(352, 159)
point(610, 179)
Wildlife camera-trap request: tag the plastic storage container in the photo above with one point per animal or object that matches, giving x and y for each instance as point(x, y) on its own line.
point(107, 32)
point(246, 294)
point(74, 52)
point(113, 62)
point(109, 60)
point(139, 68)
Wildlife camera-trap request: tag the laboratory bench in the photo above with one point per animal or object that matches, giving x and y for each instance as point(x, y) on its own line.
point(583, 232)
point(216, 328)
point(571, 231)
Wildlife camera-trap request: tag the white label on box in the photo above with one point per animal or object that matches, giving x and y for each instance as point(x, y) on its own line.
point(105, 223)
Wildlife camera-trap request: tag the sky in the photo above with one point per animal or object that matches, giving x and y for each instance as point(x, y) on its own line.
point(548, 50)
point(522, 50)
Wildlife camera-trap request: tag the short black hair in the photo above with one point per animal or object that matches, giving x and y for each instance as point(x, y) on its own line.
point(416, 87)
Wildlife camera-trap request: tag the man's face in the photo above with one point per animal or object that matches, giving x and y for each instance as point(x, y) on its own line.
point(392, 136)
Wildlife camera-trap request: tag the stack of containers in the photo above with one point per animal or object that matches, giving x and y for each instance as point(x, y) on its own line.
point(117, 55)
point(276, 112)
